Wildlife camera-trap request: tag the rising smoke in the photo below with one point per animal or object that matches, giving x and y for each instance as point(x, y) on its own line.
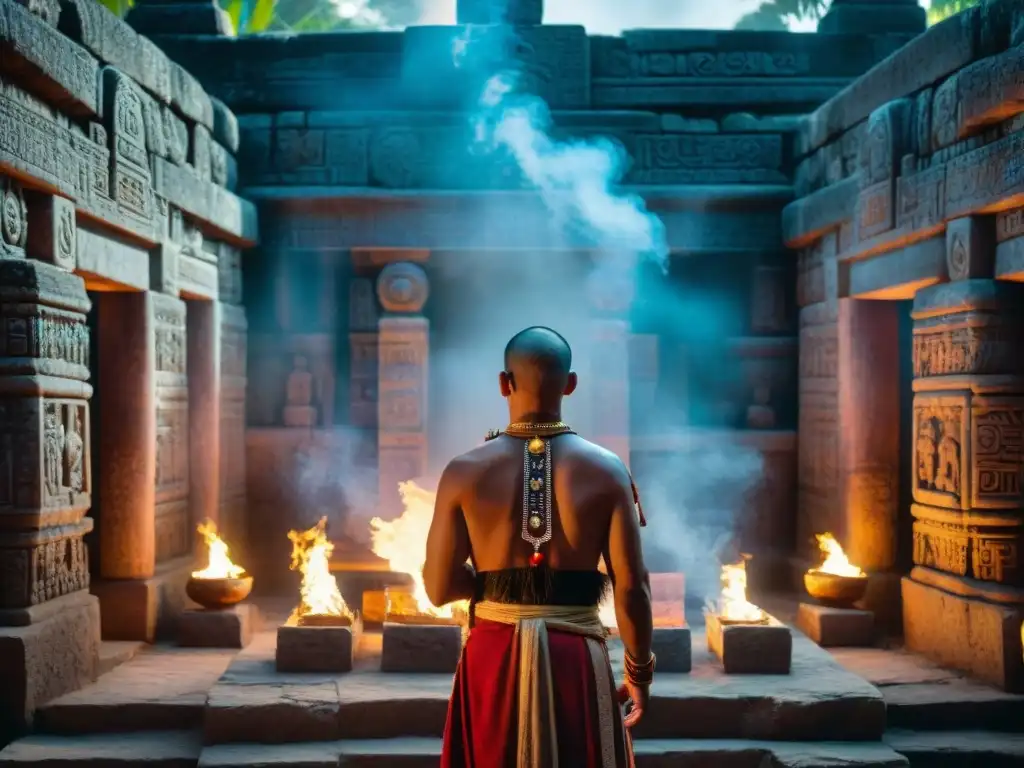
point(693, 500)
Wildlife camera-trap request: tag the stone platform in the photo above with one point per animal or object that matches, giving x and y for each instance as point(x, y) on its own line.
point(183, 708)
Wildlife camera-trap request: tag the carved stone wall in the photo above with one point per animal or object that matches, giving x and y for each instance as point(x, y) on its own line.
point(125, 170)
point(897, 180)
point(233, 384)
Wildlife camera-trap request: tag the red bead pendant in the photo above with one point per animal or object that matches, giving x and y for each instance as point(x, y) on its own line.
point(536, 559)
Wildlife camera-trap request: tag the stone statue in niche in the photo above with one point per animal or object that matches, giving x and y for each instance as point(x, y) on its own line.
point(53, 449)
point(298, 409)
point(73, 452)
point(938, 452)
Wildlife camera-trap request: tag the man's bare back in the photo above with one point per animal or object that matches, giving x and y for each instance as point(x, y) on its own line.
point(588, 484)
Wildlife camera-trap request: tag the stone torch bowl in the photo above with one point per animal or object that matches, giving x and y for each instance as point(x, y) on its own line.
point(835, 590)
point(218, 593)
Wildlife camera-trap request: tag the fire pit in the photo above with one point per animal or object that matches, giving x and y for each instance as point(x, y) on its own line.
point(418, 636)
point(836, 582)
point(745, 638)
point(835, 585)
point(218, 588)
point(321, 634)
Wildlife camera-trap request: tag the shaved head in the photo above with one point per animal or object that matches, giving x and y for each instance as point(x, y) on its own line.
point(538, 359)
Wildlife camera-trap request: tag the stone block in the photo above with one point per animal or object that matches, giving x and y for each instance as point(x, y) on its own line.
point(421, 647)
point(36, 54)
point(967, 633)
point(44, 660)
point(673, 647)
point(144, 609)
point(316, 649)
point(753, 649)
point(836, 627)
point(185, 18)
point(971, 247)
point(225, 125)
point(226, 628)
point(52, 231)
point(234, 217)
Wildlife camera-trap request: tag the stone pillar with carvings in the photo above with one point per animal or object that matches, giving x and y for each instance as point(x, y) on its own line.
point(49, 623)
point(769, 357)
point(403, 351)
point(968, 462)
point(611, 297)
point(147, 533)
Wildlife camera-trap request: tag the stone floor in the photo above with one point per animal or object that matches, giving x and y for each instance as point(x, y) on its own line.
point(167, 706)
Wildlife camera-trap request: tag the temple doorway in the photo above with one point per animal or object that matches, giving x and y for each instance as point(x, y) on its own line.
point(478, 302)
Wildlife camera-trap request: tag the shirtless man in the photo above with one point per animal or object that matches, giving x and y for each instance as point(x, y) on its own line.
point(534, 509)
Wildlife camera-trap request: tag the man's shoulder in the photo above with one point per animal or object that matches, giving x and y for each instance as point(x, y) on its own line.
point(599, 457)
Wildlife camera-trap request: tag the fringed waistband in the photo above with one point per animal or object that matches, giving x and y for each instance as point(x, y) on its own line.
point(538, 734)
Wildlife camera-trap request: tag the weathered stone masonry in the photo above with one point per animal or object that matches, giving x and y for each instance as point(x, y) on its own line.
point(114, 200)
point(910, 185)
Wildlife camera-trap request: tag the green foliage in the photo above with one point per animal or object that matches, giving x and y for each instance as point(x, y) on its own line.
point(771, 16)
point(943, 9)
point(119, 8)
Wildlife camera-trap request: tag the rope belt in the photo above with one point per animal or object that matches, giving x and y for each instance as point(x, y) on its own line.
point(538, 734)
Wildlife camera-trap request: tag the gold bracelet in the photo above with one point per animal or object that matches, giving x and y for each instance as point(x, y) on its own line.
point(639, 674)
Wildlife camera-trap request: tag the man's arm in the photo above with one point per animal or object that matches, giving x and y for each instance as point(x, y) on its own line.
point(445, 575)
point(630, 580)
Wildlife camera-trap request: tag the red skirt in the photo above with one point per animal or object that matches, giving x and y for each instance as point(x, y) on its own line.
point(482, 727)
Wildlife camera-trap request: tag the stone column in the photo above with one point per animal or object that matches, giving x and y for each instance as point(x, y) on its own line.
point(147, 532)
point(204, 420)
point(403, 350)
point(963, 603)
point(127, 450)
point(873, 16)
point(611, 297)
point(49, 623)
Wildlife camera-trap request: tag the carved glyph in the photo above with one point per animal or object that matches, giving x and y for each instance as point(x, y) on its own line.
point(402, 287)
point(939, 431)
point(13, 219)
point(943, 546)
point(997, 452)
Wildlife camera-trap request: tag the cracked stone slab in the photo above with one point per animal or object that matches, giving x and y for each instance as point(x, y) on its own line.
point(280, 713)
point(144, 749)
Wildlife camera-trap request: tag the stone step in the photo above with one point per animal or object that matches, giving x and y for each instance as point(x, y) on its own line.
point(961, 705)
point(158, 689)
point(668, 753)
point(114, 653)
point(141, 749)
point(958, 749)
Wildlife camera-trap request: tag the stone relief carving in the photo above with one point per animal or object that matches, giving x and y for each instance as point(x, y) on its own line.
point(995, 557)
point(943, 546)
point(402, 288)
point(957, 258)
point(975, 348)
point(938, 451)
point(13, 220)
point(997, 452)
point(65, 454)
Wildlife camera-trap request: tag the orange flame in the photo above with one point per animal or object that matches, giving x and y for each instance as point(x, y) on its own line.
point(403, 543)
point(219, 565)
point(311, 556)
point(836, 562)
point(733, 604)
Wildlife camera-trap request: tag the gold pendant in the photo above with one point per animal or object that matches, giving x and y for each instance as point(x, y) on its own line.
point(536, 484)
point(536, 446)
point(535, 522)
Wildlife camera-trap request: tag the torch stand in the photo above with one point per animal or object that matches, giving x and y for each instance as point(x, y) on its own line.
point(836, 627)
point(317, 647)
point(230, 627)
point(764, 648)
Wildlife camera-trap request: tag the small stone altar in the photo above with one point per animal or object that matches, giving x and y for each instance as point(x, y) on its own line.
point(325, 647)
